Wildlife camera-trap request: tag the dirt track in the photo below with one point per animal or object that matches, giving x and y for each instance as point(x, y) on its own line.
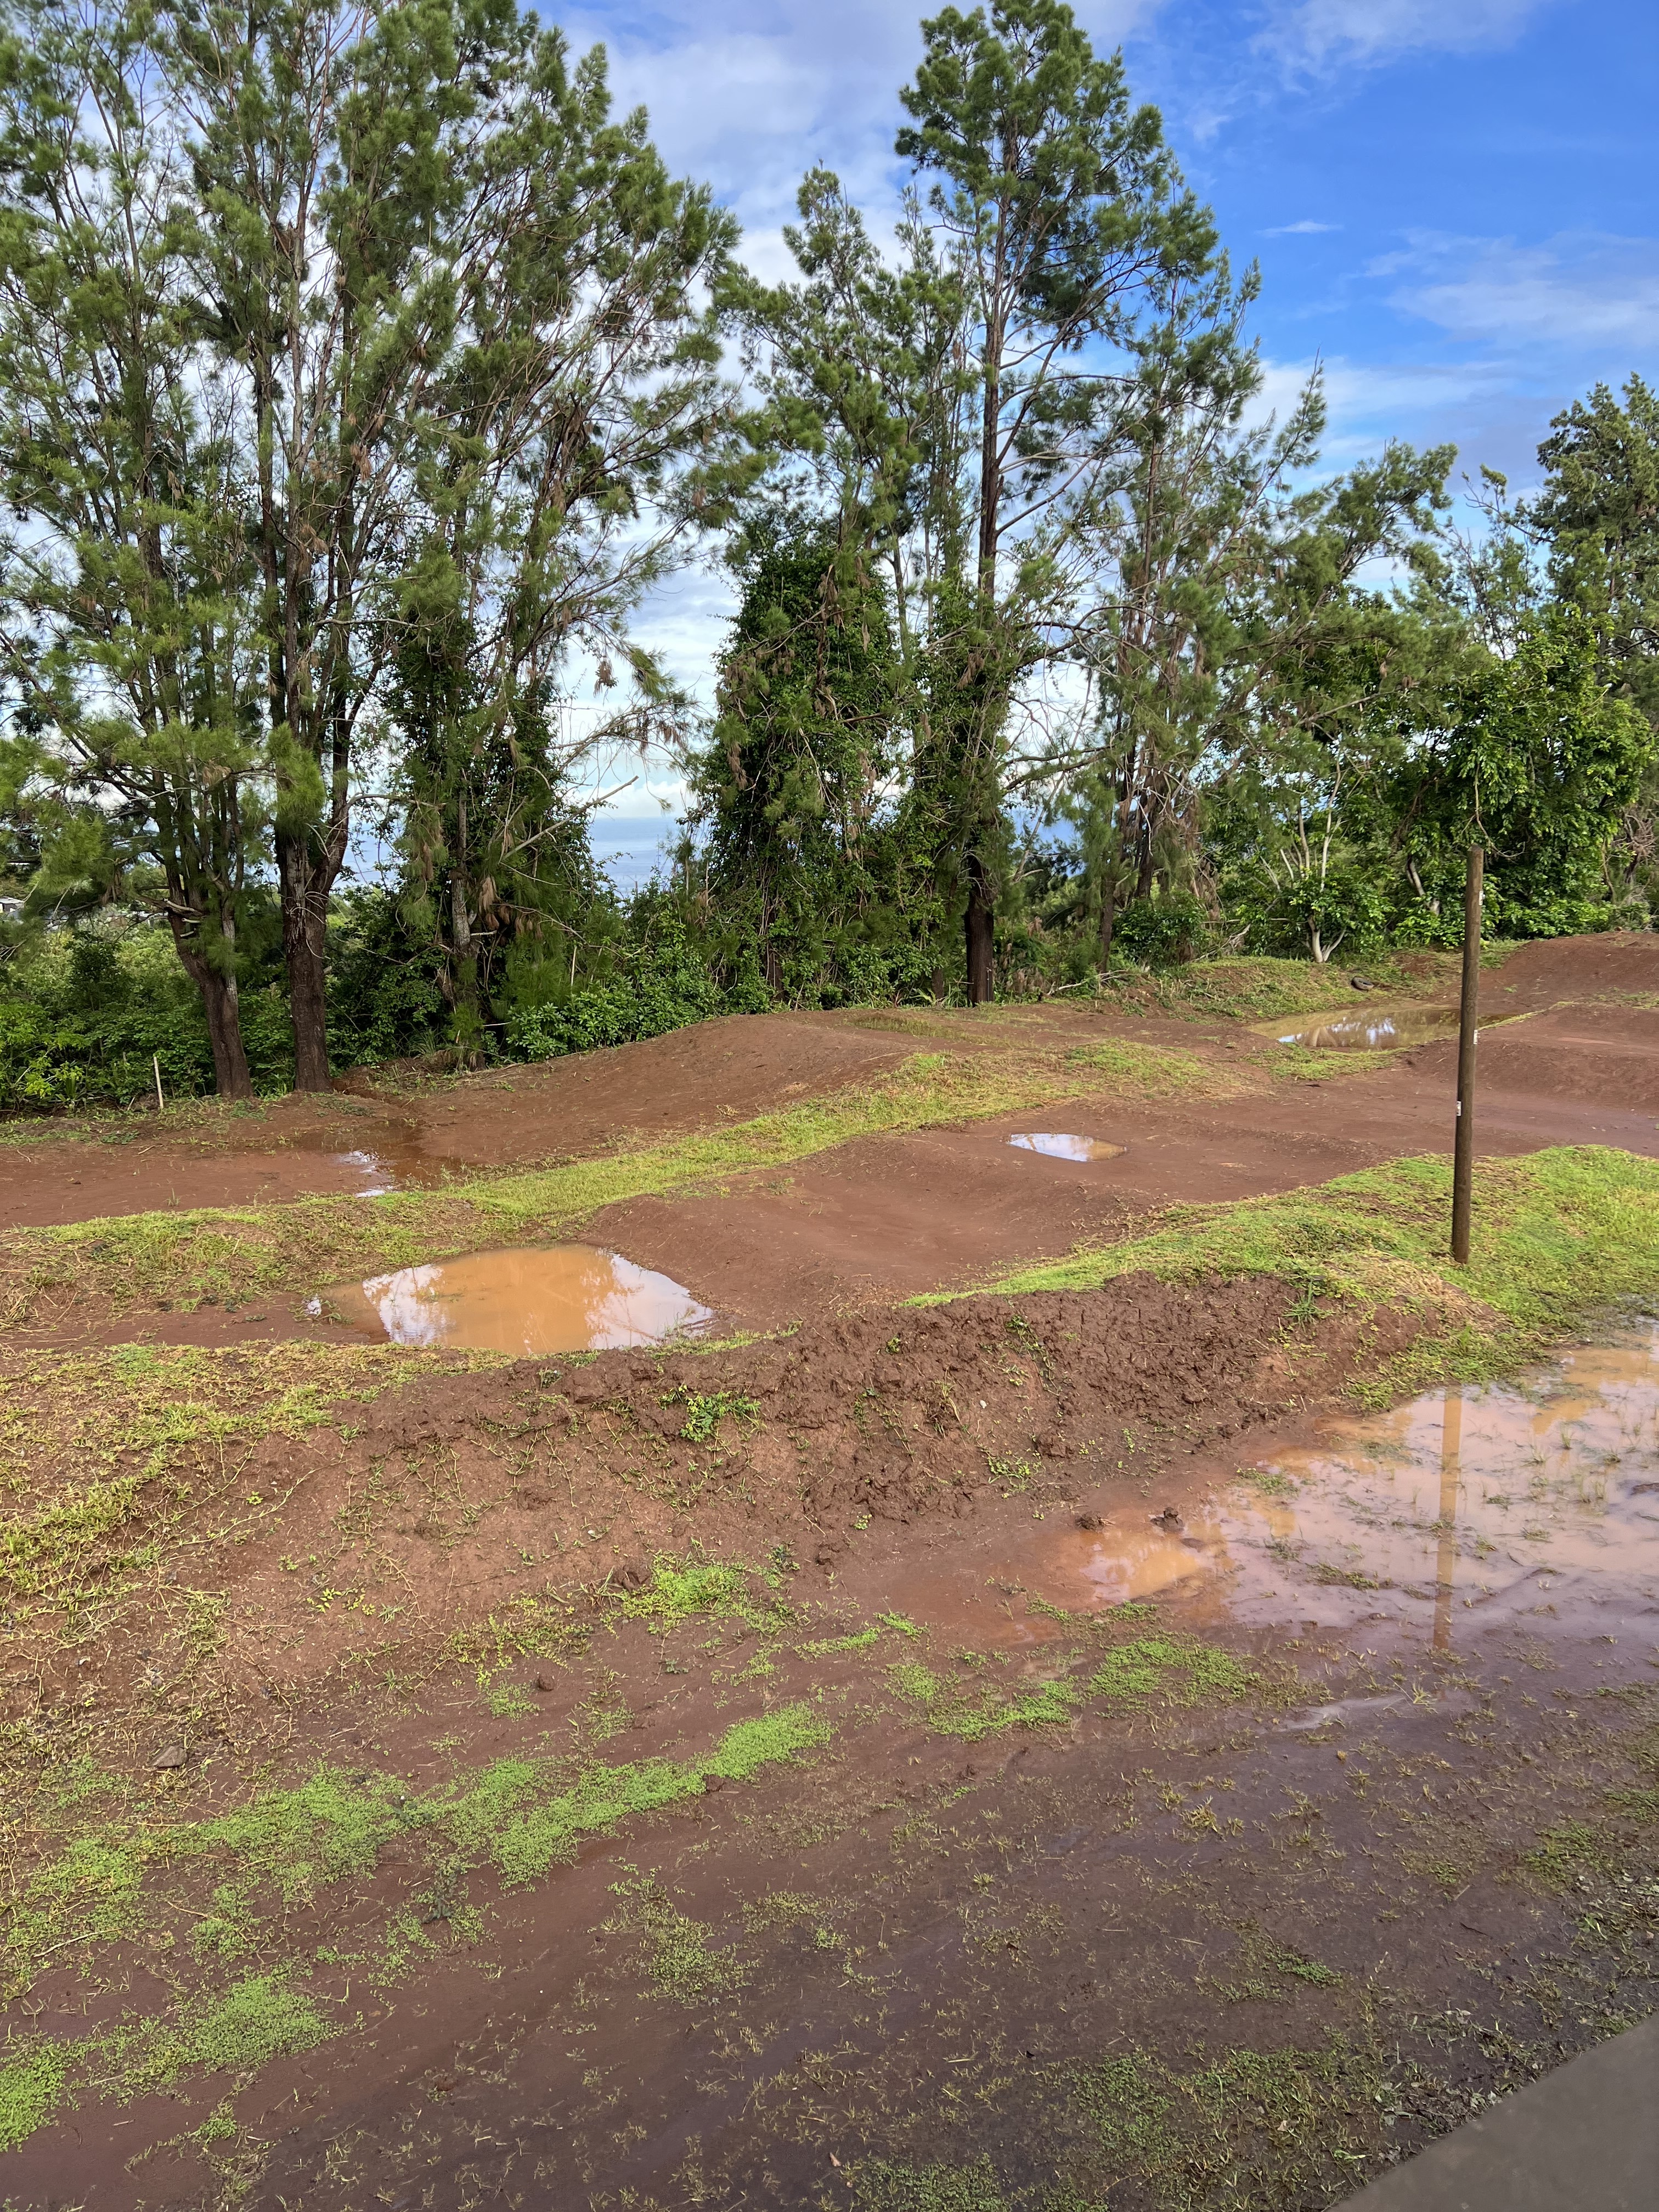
point(888, 1216)
point(1173, 1952)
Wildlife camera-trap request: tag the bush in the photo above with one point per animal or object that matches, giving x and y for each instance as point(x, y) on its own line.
point(665, 984)
point(89, 1012)
point(1162, 932)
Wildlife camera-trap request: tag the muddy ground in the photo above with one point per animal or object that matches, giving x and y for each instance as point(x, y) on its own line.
point(1210, 1801)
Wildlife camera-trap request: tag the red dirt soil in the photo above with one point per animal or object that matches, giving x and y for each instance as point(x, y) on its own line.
point(887, 1217)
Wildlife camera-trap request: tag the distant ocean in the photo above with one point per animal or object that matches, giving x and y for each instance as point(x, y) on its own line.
point(629, 847)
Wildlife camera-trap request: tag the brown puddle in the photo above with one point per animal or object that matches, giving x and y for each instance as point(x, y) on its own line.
point(394, 1168)
point(1068, 1148)
point(393, 1162)
point(537, 1299)
point(1373, 1030)
point(1541, 1497)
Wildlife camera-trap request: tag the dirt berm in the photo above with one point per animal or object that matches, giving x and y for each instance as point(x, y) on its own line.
point(592, 1468)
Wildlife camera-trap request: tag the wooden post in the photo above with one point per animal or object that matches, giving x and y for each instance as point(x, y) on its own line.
point(1467, 1018)
point(161, 1102)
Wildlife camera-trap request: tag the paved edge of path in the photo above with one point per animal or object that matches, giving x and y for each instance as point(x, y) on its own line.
point(1585, 2137)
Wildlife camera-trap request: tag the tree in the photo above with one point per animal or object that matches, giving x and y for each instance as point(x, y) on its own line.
point(579, 431)
point(1539, 764)
point(130, 620)
point(802, 756)
point(1598, 515)
point(1240, 669)
point(1060, 205)
point(342, 206)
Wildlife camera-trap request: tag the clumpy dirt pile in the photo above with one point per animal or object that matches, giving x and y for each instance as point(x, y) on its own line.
point(461, 1496)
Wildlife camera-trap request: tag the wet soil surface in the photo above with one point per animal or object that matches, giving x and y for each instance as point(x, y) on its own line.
point(1588, 1070)
point(403, 1129)
point(1218, 1795)
point(1244, 1944)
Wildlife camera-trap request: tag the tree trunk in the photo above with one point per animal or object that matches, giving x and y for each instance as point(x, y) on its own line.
point(224, 1019)
point(305, 917)
point(1109, 880)
point(980, 926)
point(224, 1022)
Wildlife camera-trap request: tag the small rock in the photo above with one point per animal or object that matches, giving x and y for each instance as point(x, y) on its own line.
point(1169, 1518)
point(711, 1783)
point(1090, 1521)
point(543, 1683)
point(1362, 983)
point(167, 1759)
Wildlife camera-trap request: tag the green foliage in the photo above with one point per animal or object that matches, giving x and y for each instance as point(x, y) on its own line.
point(807, 860)
point(1540, 768)
point(89, 1010)
point(662, 978)
point(706, 1409)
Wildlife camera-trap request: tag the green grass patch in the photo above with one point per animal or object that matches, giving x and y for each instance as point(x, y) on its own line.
point(32, 2080)
point(684, 1590)
point(1555, 1235)
point(1175, 1670)
point(680, 1960)
point(1256, 989)
point(706, 1409)
point(1151, 1071)
point(284, 1848)
point(279, 1853)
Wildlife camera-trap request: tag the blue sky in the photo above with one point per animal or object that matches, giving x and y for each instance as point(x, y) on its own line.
point(1454, 203)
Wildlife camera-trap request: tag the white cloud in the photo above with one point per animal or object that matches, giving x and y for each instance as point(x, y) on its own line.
point(1322, 35)
point(1572, 294)
point(1367, 402)
point(1306, 228)
point(749, 94)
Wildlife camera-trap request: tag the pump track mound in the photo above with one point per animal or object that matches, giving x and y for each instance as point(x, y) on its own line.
point(1124, 1682)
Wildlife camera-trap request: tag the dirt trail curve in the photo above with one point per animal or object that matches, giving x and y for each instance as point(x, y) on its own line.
point(888, 1216)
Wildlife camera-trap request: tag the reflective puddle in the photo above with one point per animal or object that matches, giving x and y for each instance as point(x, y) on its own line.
point(1068, 1148)
point(393, 1162)
point(378, 1172)
point(538, 1300)
point(1374, 1029)
point(1538, 1498)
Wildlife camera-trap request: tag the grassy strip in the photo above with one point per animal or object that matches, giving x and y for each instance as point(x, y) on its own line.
point(518, 1816)
point(1251, 989)
point(233, 1255)
point(1179, 1670)
point(1555, 1235)
point(90, 1445)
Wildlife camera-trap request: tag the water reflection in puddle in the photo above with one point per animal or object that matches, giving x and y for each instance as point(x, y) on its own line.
point(1539, 1497)
point(377, 1175)
point(1068, 1148)
point(391, 1161)
point(1373, 1030)
point(561, 1298)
